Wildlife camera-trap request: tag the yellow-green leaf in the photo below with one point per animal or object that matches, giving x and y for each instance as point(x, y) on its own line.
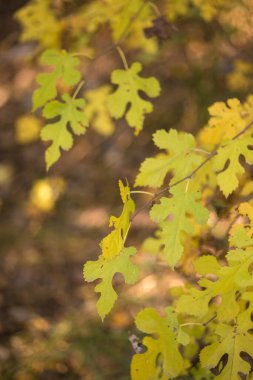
point(178, 208)
point(129, 84)
point(114, 242)
point(233, 341)
point(162, 357)
point(230, 281)
point(105, 270)
point(180, 159)
point(64, 68)
point(70, 113)
point(225, 122)
point(97, 110)
point(227, 163)
point(39, 23)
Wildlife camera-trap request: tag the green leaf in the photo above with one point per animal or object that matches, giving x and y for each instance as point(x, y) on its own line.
point(233, 341)
point(227, 164)
point(178, 207)
point(162, 357)
point(64, 68)
point(114, 242)
point(70, 113)
point(129, 84)
point(230, 281)
point(180, 159)
point(241, 236)
point(105, 270)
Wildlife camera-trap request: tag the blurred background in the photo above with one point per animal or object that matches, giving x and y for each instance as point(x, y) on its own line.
point(52, 223)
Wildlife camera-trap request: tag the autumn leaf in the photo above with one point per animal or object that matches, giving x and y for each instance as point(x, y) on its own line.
point(70, 113)
point(97, 110)
point(164, 348)
point(178, 207)
point(129, 84)
point(227, 163)
point(105, 270)
point(180, 158)
point(64, 68)
point(113, 243)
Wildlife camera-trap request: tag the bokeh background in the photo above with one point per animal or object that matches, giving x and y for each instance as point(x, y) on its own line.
point(52, 223)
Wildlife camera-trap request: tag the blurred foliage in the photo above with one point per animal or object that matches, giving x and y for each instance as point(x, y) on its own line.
point(201, 52)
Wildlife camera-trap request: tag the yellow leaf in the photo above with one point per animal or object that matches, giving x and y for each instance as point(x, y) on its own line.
point(45, 192)
point(39, 23)
point(27, 129)
point(227, 163)
point(224, 123)
point(97, 111)
point(113, 243)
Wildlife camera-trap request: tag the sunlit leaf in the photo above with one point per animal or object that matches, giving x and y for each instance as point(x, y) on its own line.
point(162, 359)
point(129, 84)
point(230, 281)
point(233, 341)
point(70, 113)
point(227, 163)
point(64, 68)
point(105, 270)
point(178, 208)
point(180, 158)
point(113, 243)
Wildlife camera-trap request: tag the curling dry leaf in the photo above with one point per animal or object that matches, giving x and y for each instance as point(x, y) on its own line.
point(113, 243)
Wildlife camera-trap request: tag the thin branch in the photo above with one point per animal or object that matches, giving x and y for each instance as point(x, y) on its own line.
point(141, 192)
point(78, 89)
point(123, 58)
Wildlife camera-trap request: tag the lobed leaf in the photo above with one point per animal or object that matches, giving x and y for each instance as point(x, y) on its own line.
point(225, 122)
point(233, 342)
point(39, 23)
point(70, 113)
point(129, 84)
point(230, 281)
point(105, 270)
point(241, 235)
point(227, 163)
point(64, 68)
point(162, 357)
point(178, 207)
point(180, 159)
